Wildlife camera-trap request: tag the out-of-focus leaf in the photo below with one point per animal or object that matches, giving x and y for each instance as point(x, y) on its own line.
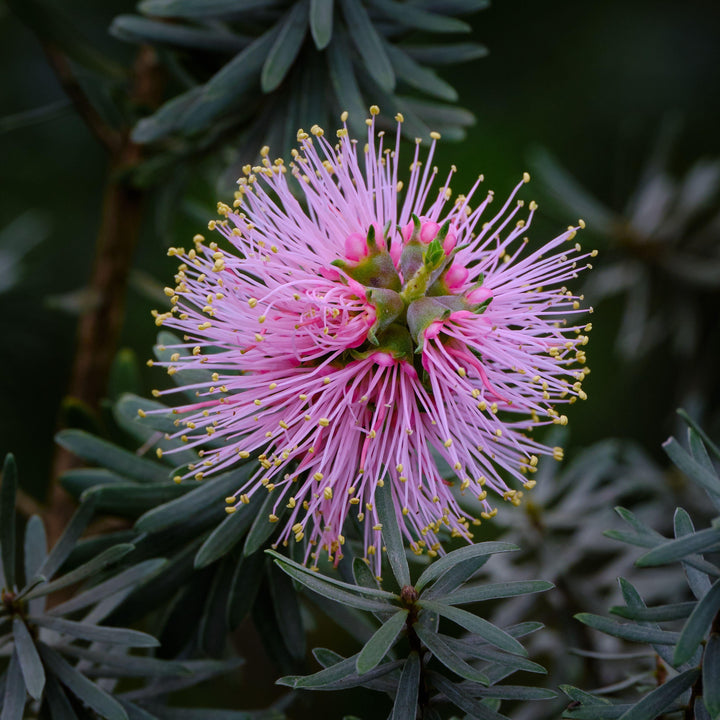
point(693, 469)
point(462, 700)
point(662, 613)
point(14, 699)
point(419, 77)
point(386, 509)
point(115, 664)
point(511, 692)
point(30, 664)
point(415, 17)
point(8, 492)
point(633, 633)
point(582, 697)
point(210, 492)
point(244, 588)
point(377, 647)
point(657, 702)
point(477, 550)
point(96, 633)
point(445, 54)
point(167, 119)
point(26, 119)
point(444, 653)
point(63, 547)
point(455, 576)
point(698, 581)
point(473, 647)
point(127, 578)
point(474, 624)
point(90, 568)
point(285, 49)
point(130, 500)
point(77, 481)
point(339, 676)
point(111, 456)
point(674, 550)
point(321, 22)
point(343, 79)
point(452, 7)
point(406, 698)
point(369, 44)
point(85, 690)
point(698, 625)
point(262, 529)
point(494, 590)
point(287, 611)
point(133, 28)
point(213, 626)
point(60, 707)
point(195, 9)
point(711, 673)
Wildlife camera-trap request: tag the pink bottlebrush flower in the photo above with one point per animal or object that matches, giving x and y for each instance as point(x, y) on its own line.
point(374, 333)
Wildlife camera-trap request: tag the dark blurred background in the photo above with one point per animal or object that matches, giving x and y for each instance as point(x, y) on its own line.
point(617, 98)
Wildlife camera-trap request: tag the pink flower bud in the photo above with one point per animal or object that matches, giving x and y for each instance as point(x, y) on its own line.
point(356, 247)
point(429, 231)
point(479, 295)
point(455, 277)
point(450, 242)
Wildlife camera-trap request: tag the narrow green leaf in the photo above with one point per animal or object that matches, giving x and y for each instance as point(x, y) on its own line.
point(32, 669)
point(368, 44)
point(474, 624)
point(476, 709)
point(705, 437)
point(419, 77)
point(340, 676)
point(262, 529)
point(697, 625)
point(698, 581)
point(380, 643)
point(60, 707)
point(319, 584)
point(445, 654)
point(494, 590)
point(321, 22)
point(96, 633)
point(693, 469)
point(452, 7)
point(287, 611)
point(597, 712)
point(167, 119)
point(85, 690)
point(285, 49)
point(391, 533)
point(198, 10)
point(406, 698)
point(582, 697)
point(662, 613)
point(35, 546)
point(633, 633)
point(455, 576)
point(112, 457)
point(343, 79)
point(8, 491)
point(67, 541)
point(631, 538)
point(14, 699)
point(481, 549)
point(445, 54)
point(127, 578)
point(227, 534)
point(658, 701)
point(120, 664)
point(373, 592)
point(90, 568)
point(413, 17)
point(699, 452)
point(208, 493)
point(474, 647)
point(77, 481)
point(513, 692)
point(133, 28)
point(244, 588)
point(673, 550)
point(363, 574)
point(711, 673)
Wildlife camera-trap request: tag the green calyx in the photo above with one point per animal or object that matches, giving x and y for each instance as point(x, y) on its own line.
point(388, 307)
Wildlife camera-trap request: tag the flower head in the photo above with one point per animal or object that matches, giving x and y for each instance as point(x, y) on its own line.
point(375, 332)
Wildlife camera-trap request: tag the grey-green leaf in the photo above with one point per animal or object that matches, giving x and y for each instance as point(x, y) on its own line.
point(445, 654)
point(494, 590)
point(698, 625)
point(673, 550)
point(626, 631)
point(286, 47)
point(420, 19)
point(445, 54)
point(391, 534)
point(662, 613)
point(489, 632)
point(693, 469)
point(30, 664)
point(227, 534)
point(369, 44)
point(287, 611)
point(698, 581)
point(90, 568)
point(96, 633)
point(406, 698)
point(377, 647)
point(14, 699)
point(462, 700)
point(35, 546)
point(657, 702)
point(81, 687)
point(711, 676)
point(8, 492)
point(60, 707)
point(706, 439)
point(110, 456)
point(321, 22)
